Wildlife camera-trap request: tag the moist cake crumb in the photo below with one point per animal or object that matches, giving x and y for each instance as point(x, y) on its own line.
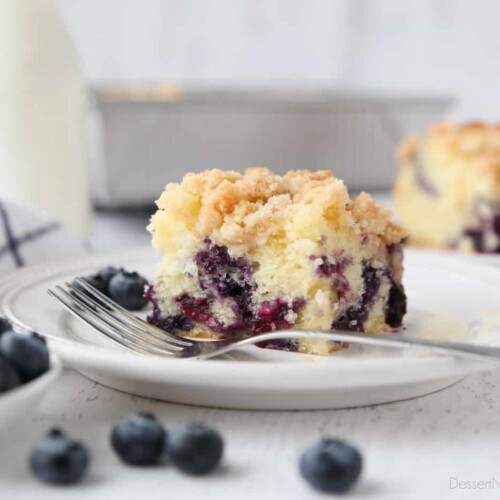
point(447, 191)
point(256, 252)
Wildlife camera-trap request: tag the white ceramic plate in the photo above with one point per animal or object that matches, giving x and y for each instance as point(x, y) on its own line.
point(487, 259)
point(447, 298)
point(19, 402)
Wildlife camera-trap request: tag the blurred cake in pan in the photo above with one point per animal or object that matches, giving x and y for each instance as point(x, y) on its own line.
point(256, 252)
point(447, 192)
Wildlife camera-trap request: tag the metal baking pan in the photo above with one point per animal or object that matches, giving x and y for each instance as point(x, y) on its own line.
point(145, 137)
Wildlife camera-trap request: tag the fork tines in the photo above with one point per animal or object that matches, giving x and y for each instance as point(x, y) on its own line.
point(115, 322)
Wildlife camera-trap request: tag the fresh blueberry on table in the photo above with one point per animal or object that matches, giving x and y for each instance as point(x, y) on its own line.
point(127, 289)
point(139, 439)
point(27, 351)
point(331, 466)
point(9, 378)
point(59, 459)
point(195, 449)
point(5, 325)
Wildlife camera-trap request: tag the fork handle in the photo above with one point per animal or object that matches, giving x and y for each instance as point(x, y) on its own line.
point(388, 340)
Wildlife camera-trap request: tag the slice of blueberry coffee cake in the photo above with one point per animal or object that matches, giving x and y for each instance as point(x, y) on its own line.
point(252, 253)
point(447, 191)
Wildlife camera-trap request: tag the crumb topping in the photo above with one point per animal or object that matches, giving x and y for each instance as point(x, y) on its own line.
point(247, 209)
point(471, 141)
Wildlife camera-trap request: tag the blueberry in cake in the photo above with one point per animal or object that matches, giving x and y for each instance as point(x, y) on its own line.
point(256, 252)
point(448, 188)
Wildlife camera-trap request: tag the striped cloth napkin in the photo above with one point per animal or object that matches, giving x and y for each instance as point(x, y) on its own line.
point(28, 237)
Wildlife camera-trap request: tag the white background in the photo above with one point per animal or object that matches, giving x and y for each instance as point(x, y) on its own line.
point(437, 46)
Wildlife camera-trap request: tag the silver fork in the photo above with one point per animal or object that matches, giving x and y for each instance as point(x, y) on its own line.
point(131, 332)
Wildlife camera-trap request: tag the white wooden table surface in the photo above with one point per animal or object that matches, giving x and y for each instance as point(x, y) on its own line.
point(412, 449)
point(417, 449)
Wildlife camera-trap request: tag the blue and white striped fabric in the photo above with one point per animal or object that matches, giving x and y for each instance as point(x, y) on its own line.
point(28, 237)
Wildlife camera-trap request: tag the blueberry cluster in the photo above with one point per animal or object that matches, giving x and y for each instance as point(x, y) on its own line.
point(484, 232)
point(222, 277)
point(126, 288)
point(138, 439)
point(24, 356)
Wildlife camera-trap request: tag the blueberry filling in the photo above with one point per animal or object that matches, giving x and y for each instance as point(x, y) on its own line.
point(174, 323)
point(425, 184)
point(275, 315)
point(198, 310)
point(421, 179)
point(223, 277)
point(221, 274)
point(334, 268)
point(484, 234)
point(354, 316)
point(395, 308)
point(289, 345)
point(272, 315)
point(476, 236)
